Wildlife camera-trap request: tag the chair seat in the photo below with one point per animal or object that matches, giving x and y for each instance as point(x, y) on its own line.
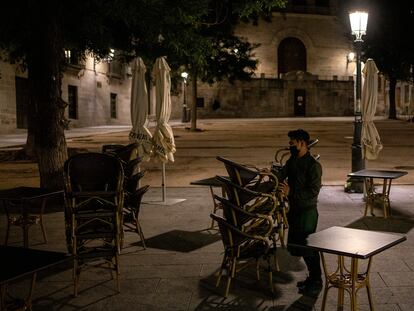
point(20, 221)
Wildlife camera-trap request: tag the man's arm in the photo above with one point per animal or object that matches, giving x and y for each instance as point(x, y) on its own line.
point(311, 190)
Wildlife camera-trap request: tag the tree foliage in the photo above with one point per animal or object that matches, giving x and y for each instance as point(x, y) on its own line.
point(197, 34)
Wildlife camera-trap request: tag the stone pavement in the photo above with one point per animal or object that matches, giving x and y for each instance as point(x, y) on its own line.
point(176, 271)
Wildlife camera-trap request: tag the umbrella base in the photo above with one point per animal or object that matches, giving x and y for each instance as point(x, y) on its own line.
point(165, 202)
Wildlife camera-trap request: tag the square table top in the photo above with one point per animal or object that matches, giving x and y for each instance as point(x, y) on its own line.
point(211, 181)
point(17, 262)
point(352, 242)
point(378, 174)
point(26, 193)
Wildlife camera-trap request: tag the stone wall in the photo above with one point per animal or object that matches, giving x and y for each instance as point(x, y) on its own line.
point(275, 98)
point(94, 82)
point(324, 37)
point(7, 98)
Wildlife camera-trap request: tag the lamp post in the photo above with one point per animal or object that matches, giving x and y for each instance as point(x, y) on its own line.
point(184, 75)
point(359, 21)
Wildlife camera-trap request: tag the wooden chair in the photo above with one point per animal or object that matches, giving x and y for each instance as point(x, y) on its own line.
point(131, 210)
point(240, 249)
point(258, 202)
point(252, 223)
point(94, 200)
point(249, 176)
point(14, 216)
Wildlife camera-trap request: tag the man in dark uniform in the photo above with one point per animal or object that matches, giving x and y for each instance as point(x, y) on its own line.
point(302, 182)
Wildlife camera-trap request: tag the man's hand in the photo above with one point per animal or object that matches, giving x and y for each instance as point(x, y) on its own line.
point(284, 188)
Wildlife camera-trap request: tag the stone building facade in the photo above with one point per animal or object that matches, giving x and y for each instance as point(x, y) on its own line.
point(303, 70)
point(97, 93)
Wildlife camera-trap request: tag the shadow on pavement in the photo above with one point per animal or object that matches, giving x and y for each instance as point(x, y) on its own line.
point(182, 241)
point(395, 224)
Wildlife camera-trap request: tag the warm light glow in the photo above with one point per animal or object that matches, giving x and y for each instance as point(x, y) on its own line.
point(184, 75)
point(111, 53)
point(67, 54)
point(359, 21)
point(351, 56)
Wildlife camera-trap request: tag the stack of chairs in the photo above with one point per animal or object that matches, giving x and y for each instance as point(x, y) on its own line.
point(93, 212)
point(240, 248)
point(127, 155)
point(253, 219)
point(254, 189)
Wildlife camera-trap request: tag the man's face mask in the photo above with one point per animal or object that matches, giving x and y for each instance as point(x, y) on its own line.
point(293, 151)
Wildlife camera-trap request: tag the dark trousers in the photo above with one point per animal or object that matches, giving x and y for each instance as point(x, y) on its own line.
point(312, 261)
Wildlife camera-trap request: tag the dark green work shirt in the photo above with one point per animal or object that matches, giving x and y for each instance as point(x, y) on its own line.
point(304, 178)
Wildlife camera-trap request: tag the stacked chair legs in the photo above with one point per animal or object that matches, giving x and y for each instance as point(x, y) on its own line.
point(254, 220)
point(93, 211)
point(132, 190)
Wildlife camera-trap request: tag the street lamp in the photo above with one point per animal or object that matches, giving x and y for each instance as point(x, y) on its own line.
point(359, 21)
point(184, 118)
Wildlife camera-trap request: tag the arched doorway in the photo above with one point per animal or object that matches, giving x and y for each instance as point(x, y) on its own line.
point(291, 55)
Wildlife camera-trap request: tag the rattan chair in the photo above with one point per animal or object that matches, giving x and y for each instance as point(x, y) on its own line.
point(252, 223)
point(240, 249)
point(94, 200)
point(258, 202)
point(249, 176)
point(131, 210)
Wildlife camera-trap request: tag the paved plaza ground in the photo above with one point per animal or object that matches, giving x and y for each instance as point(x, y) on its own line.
point(176, 271)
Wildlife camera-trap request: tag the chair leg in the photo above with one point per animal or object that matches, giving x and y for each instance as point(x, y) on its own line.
point(230, 274)
point(140, 233)
point(270, 275)
point(118, 284)
point(6, 239)
point(42, 226)
point(76, 274)
point(223, 264)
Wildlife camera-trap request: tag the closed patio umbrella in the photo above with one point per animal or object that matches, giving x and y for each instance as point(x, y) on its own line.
point(164, 145)
point(370, 139)
point(163, 139)
point(139, 110)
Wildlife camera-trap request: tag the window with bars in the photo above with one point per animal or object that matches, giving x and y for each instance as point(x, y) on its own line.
point(113, 105)
point(73, 101)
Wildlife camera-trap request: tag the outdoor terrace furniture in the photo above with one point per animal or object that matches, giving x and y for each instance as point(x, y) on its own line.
point(132, 206)
point(257, 202)
point(353, 244)
point(239, 250)
point(249, 176)
point(127, 155)
point(18, 263)
point(374, 196)
point(94, 201)
point(211, 182)
point(251, 223)
point(24, 207)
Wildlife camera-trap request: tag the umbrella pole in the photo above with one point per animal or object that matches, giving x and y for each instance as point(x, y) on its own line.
point(164, 188)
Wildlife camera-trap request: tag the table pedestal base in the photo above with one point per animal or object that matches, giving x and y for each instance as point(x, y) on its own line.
point(373, 197)
point(346, 280)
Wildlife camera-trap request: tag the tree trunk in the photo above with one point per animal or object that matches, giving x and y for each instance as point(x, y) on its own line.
point(193, 100)
point(46, 110)
point(393, 111)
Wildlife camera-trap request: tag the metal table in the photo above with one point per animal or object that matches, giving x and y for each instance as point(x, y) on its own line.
point(211, 182)
point(22, 201)
point(374, 196)
point(16, 263)
point(354, 244)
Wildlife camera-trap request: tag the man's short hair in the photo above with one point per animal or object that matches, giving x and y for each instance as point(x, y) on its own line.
point(299, 134)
